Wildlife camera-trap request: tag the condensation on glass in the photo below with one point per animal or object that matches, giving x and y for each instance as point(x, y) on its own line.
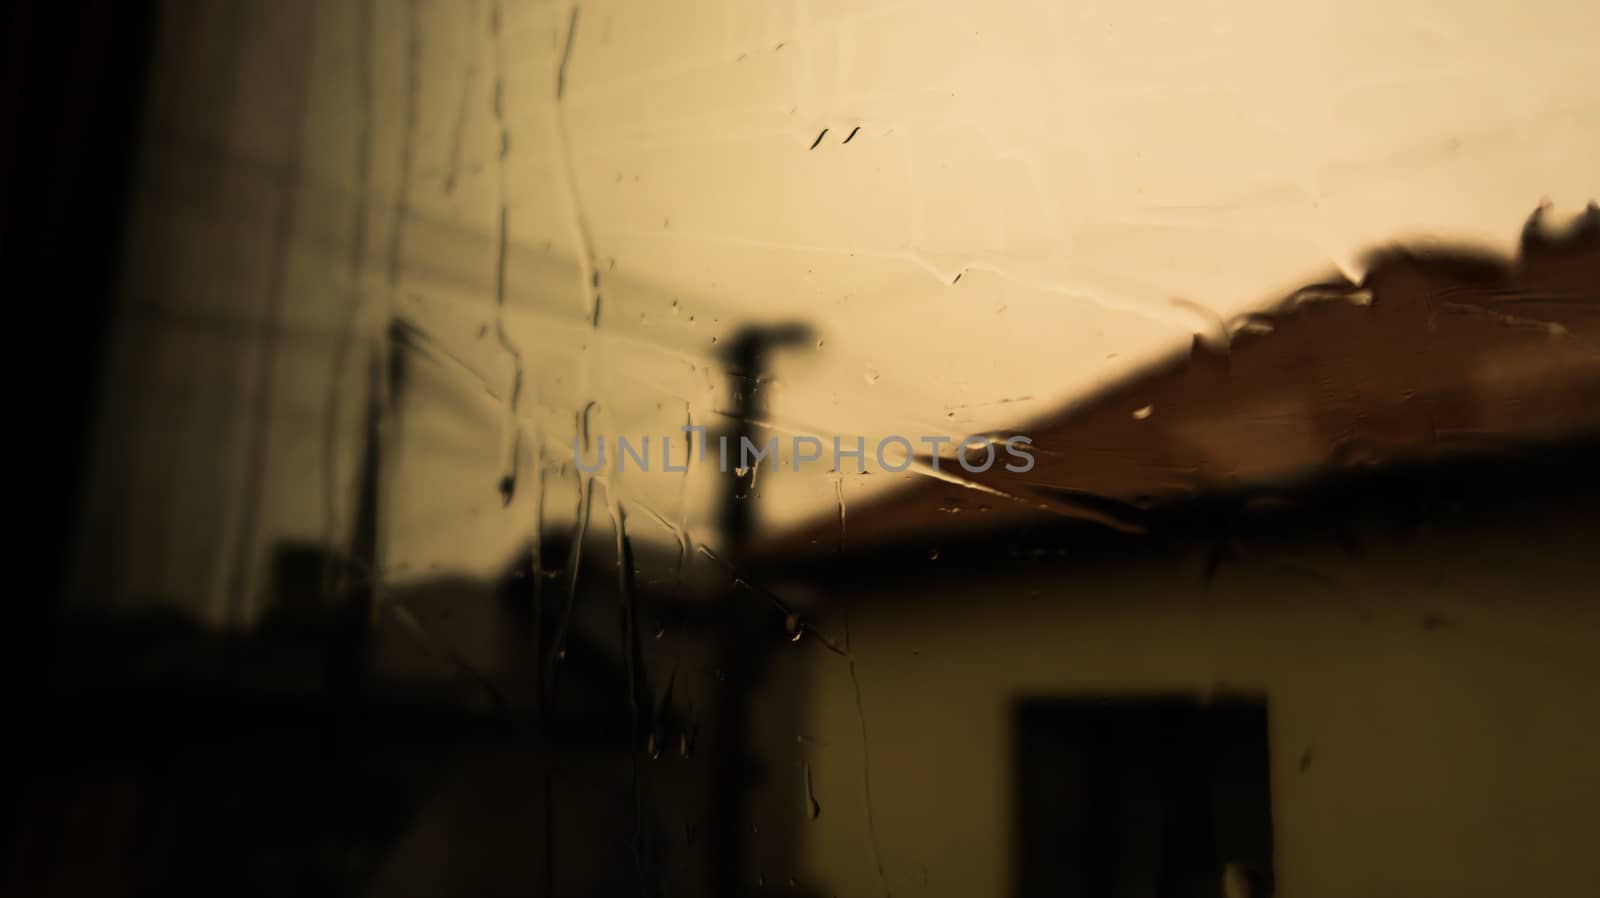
point(572, 449)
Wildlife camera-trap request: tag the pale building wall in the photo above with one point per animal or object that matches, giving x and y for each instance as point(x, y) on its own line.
point(1441, 685)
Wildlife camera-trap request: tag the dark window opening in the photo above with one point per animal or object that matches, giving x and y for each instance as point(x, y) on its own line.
point(1158, 797)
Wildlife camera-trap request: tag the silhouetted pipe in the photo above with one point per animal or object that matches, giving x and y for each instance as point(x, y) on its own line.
point(746, 358)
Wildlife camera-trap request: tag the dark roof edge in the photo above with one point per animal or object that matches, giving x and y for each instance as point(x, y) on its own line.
point(1500, 484)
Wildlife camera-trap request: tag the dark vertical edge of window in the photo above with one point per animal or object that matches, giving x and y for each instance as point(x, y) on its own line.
point(75, 110)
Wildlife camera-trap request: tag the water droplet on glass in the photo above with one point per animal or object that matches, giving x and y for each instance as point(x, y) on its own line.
point(812, 808)
point(934, 555)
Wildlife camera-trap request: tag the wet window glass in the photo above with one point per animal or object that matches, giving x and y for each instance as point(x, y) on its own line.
point(817, 448)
